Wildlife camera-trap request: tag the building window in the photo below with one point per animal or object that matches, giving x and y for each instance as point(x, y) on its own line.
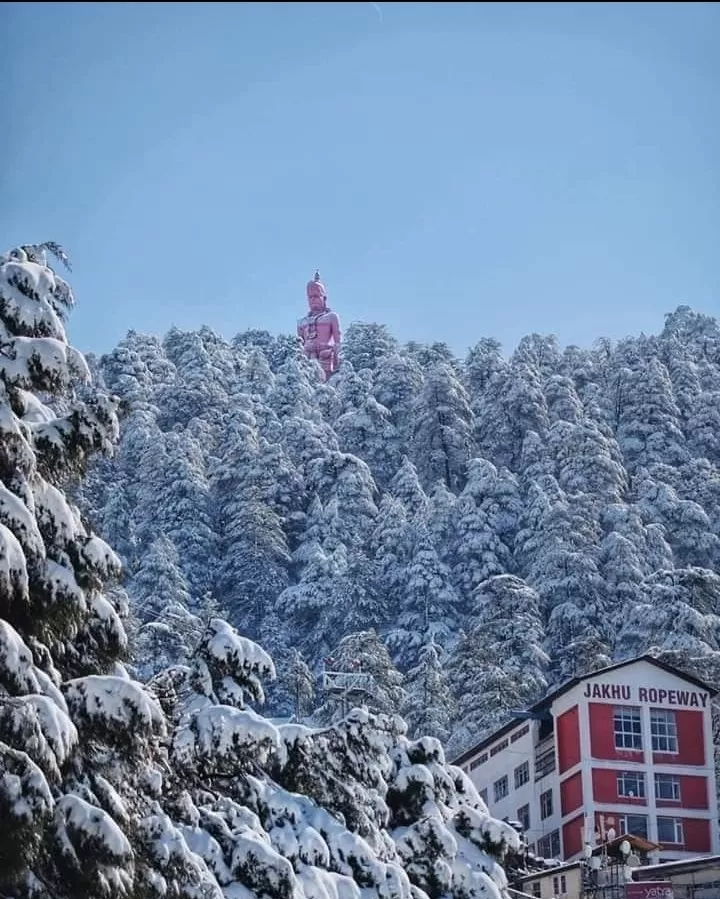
point(628, 730)
point(475, 763)
point(484, 795)
point(500, 788)
point(667, 786)
point(519, 733)
point(522, 774)
point(635, 825)
point(663, 731)
point(498, 748)
point(631, 784)
point(670, 830)
point(536, 889)
point(559, 885)
point(523, 816)
point(546, 805)
point(549, 845)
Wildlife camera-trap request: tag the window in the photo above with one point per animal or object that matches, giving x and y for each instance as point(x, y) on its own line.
point(522, 774)
point(559, 885)
point(536, 889)
point(546, 805)
point(519, 733)
point(484, 795)
point(631, 784)
point(670, 830)
point(637, 825)
point(667, 786)
point(628, 730)
point(549, 846)
point(500, 788)
point(498, 748)
point(523, 816)
point(478, 761)
point(663, 731)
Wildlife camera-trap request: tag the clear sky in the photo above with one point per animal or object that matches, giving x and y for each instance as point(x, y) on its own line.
point(455, 170)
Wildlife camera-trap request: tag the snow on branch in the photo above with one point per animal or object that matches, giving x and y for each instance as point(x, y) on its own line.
point(230, 655)
point(224, 738)
point(92, 846)
point(113, 708)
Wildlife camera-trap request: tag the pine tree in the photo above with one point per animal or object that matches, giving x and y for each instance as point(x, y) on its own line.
point(366, 431)
point(397, 384)
point(111, 789)
point(512, 405)
point(429, 605)
point(367, 345)
point(429, 707)
point(71, 722)
point(443, 429)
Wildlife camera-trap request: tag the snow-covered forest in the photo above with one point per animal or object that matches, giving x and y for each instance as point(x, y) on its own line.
point(178, 786)
point(468, 530)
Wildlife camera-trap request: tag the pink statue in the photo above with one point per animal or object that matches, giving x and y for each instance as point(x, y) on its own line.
point(319, 331)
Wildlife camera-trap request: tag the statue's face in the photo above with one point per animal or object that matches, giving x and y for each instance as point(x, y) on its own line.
point(316, 300)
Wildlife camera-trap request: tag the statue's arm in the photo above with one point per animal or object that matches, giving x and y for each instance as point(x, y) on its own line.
point(335, 332)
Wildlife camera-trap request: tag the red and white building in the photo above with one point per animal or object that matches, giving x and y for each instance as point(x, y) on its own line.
point(628, 748)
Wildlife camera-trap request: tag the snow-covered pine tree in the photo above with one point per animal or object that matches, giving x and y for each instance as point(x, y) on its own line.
point(75, 731)
point(397, 383)
point(429, 707)
point(367, 345)
point(367, 431)
point(443, 429)
point(611, 452)
point(428, 604)
point(512, 405)
point(327, 815)
point(500, 663)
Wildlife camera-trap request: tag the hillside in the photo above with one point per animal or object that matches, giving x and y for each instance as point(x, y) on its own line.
point(178, 788)
point(493, 523)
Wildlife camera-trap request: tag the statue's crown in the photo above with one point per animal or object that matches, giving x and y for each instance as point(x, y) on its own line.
point(315, 283)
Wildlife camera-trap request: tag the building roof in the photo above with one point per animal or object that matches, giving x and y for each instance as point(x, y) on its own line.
point(546, 872)
point(680, 866)
point(545, 703)
point(612, 847)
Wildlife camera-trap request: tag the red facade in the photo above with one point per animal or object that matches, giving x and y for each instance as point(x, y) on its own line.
point(697, 834)
point(693, 792)
point(602, 735)
point(567, 728)
point(573, 836)
point(691, 741)
point(611, 786)
point(571, 793)
point(605, 788)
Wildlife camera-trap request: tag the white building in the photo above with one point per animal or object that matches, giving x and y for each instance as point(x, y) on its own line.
point(624, 750)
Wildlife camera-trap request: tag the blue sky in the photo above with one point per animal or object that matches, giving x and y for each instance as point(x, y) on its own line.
point(454, 170)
